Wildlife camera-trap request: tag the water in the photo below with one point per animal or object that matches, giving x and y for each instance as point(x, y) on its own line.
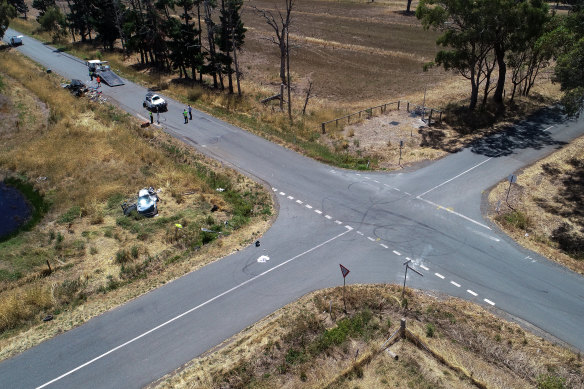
point(14, 209)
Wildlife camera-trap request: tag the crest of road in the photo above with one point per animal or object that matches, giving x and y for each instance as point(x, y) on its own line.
point(370, 222)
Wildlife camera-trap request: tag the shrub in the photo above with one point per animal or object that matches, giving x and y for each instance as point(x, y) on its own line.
point(569, 241)
point(549, 381)
point(68, 217)
point(430, 330)
point(122, 256)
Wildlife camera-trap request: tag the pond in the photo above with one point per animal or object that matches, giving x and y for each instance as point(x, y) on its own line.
point(15, 210)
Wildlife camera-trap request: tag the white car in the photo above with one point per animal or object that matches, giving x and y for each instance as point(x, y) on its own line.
point(154, 103)
point(16, 40)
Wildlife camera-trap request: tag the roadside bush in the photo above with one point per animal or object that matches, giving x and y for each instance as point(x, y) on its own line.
point(516, 219)
point(122, 256)
point(430, 330)
point(569, 241)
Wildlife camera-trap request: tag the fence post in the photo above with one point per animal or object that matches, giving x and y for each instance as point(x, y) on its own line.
point(398, 104)
point(408, 107)
point(323, 128)
point(440, 120)
point(430, 117)
point(337, 123)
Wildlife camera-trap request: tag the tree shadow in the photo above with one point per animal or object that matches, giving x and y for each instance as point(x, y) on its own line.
point(528, 134)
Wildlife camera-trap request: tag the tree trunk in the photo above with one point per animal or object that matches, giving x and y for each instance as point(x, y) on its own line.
point(288, 75)
point(500, 54)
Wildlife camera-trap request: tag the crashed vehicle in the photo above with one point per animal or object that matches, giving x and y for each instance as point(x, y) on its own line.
point(16, 40)
point(154, 103)
point(76, 87)
point(146, 204)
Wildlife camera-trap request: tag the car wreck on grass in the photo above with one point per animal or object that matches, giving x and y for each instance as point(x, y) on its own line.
point(146, 204)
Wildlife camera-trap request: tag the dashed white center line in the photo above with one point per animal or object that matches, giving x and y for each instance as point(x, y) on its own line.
point(424, 267)
point(328, 217)
point(349, 228)
point(376, 181)
point(396, 189)
point(282, 194)
point(439, 275)
point(396, 252)
point(299, 202)
point(471, 292)
point(358, 174)
point(274, 189)
point(371, 239)
point(290, 198)
point(359, 232)
point(338, 222)
point(384, 246)
point(308, 206)
point(318, 211)
point(488, 301)
point(367, 178)
point(455, 284)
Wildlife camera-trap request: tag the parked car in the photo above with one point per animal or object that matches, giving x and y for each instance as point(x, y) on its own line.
point(154, 103)
point(16, 40)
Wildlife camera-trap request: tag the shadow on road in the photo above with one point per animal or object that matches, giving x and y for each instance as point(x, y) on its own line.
point(530, 133)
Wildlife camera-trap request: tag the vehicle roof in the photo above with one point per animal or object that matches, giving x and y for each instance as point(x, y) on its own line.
point(96, 61)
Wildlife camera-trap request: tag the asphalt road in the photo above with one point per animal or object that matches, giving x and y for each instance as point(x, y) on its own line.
point(369, 222)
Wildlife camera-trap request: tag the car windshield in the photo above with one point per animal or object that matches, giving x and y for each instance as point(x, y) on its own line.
point(155, 98)
point(144, 201)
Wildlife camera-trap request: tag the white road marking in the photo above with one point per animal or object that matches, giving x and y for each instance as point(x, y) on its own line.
point(439, 275)
point(299, 202)
point(396, 252)
point(338, 222)
point(455, 177)
point(318, 211)
point(389, 186)
point(290, 198)
point(396, 189)
point(488, 301)
point(263, 259)
point(282, 194)
point(349, 228)
point(367, 178)
point(455, 284)
point(274, 189)
point(359, 232)
point(371, 239)
point(471, 292)
point(187, 312)
point(547, 129)
point(358, 174)
point(409, 194)
point(308, 206)
point(424, 267)
point(454, 213)
point(328, 217)
point(376, 181)
point(384, 246)
point(486, 235)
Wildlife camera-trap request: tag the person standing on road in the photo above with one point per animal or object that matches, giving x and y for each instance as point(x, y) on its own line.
point(185, 114)
point(98, 79)
point(91, 75)
point(151, 118)
point(190, 112)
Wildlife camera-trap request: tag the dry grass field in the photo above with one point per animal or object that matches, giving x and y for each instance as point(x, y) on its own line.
point(450, 344)
point(545, 210)
point(85, 158)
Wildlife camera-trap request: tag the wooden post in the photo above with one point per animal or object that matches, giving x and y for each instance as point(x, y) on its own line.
point(430, 117)
point(402, 327)
point(323, 127)
point(408, 108)
point(440, 120)
point(49, 265)
point(337, 123)
point(398, 104)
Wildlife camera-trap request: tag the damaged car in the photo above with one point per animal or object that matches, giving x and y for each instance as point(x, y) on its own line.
point(147, 204)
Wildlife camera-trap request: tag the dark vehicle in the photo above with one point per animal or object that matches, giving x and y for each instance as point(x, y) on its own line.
point(16, 40)
point(154, 103)
point(76, 87)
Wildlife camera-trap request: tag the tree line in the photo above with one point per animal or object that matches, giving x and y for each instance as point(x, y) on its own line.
point(487, 40)
point(194, 37)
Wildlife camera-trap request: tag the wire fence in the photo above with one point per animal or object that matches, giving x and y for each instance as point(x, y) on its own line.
point(427, 113)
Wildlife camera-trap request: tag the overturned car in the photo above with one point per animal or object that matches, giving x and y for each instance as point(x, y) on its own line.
point(147, 204)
